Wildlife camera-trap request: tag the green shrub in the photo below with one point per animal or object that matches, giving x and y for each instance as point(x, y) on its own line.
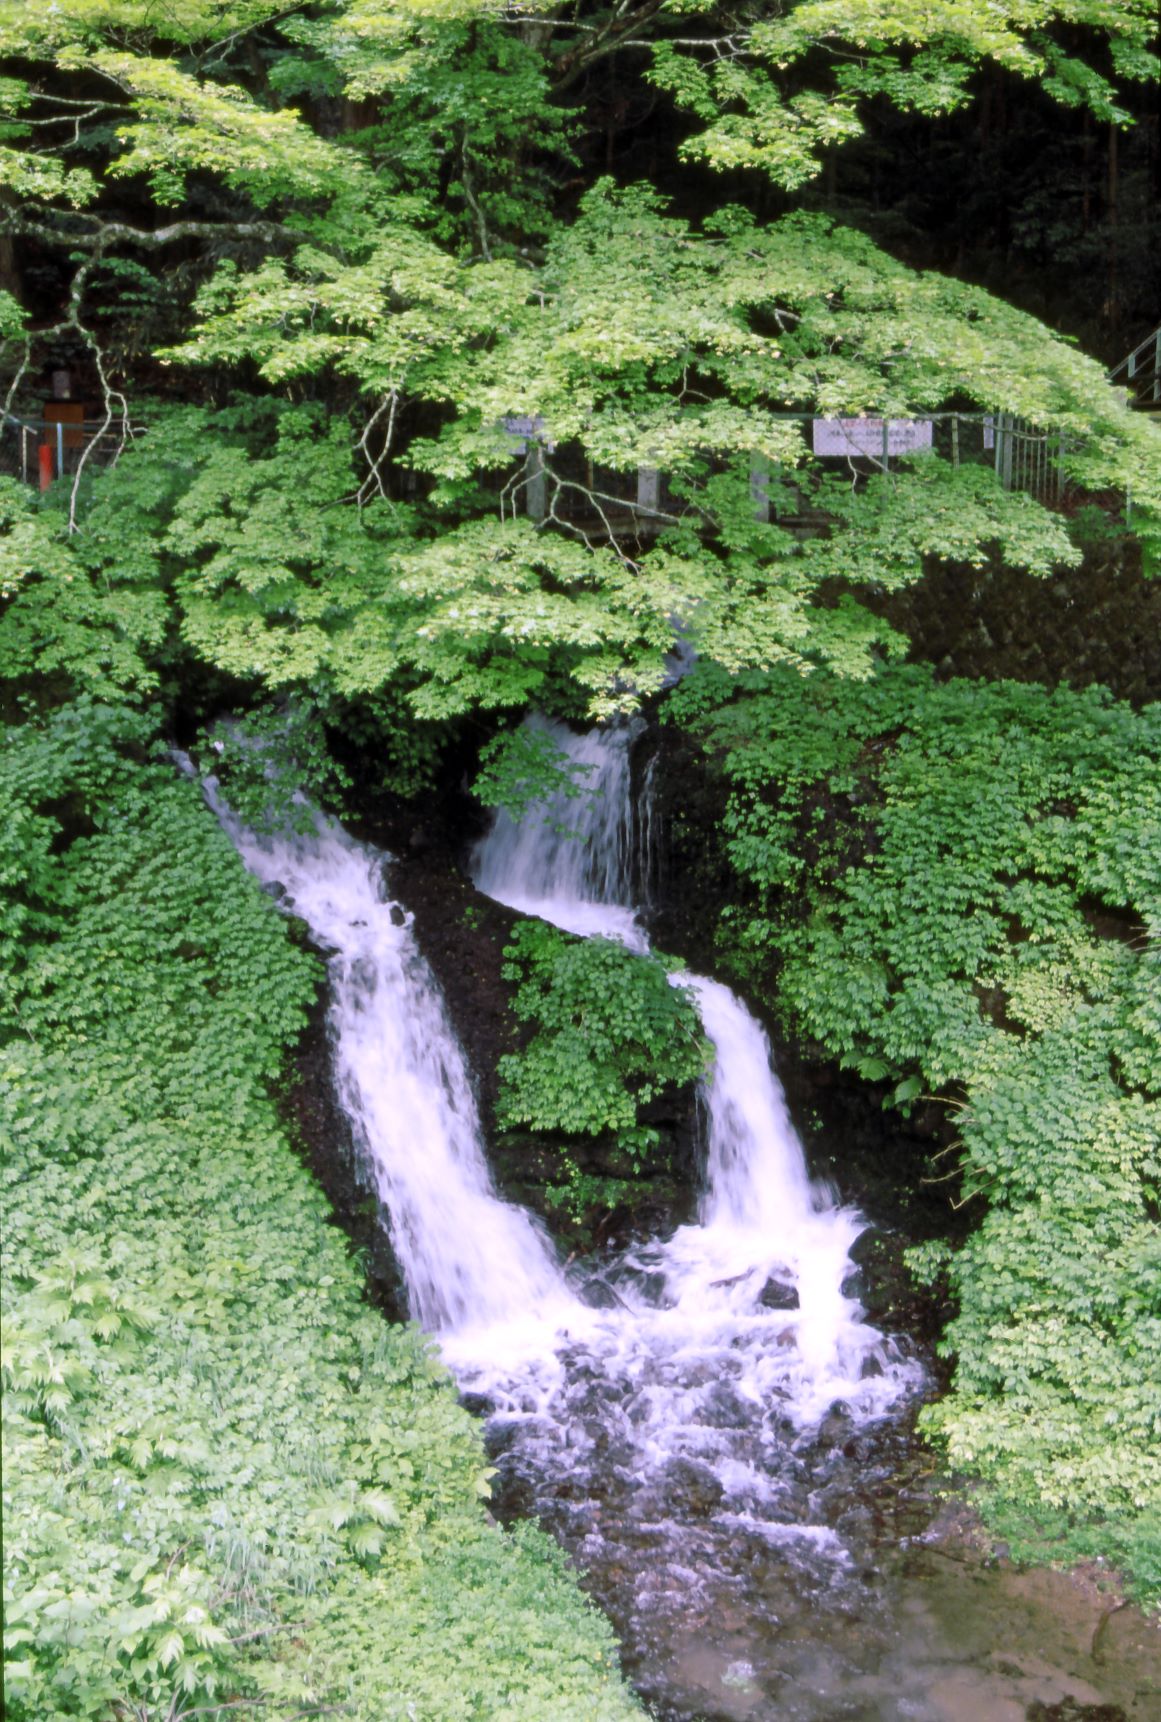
point(957, 889)
point(611, 1034)
point(226, 1479)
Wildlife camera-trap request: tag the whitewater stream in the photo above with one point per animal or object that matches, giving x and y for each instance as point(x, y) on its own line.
point(705, 1420)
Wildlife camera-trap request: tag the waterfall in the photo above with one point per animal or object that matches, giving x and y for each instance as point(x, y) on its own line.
point(570, 860)
point(666, 1411)
point(764, 1230)
point(467, 1258)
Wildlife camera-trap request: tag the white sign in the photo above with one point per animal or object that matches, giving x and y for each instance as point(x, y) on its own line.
point(523, 428)
point(866, 436)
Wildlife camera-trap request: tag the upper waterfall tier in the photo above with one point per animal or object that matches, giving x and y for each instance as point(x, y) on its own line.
point(569, 860)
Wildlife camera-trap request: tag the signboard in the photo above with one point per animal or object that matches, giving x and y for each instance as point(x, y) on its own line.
point(866, 436)
point(523, 428)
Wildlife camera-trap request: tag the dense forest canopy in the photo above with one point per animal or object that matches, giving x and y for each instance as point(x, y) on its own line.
point(442, 361)
point(397, 233)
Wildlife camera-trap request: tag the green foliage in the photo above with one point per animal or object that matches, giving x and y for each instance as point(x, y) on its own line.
point(368, 213)
point(524, 766)
point(798, 81)
point(270, 763)
point(249, 535)
point(611, 1033)
point(226, 1480)
point(960, 886)
point(395, 271)
point(69, 622)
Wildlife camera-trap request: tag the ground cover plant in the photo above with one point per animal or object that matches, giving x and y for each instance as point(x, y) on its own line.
point(455, 356)
point(227, 1482)
point(610, 1033)
point(957, 890)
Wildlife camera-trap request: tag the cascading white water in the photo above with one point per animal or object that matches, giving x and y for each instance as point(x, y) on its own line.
point(467, 1258)
point(667, 1421)
point(569, 860)
point(760, 1218)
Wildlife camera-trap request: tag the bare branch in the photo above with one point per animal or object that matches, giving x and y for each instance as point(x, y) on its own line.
point(220, 48)
point(472, 200)
point(374, 479)
point(100, 235)
point(618, 31)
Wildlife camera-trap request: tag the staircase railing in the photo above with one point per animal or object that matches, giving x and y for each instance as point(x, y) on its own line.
point(1140, 371)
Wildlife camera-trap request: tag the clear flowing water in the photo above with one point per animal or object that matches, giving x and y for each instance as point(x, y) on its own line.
point(673, 1443)
point(763, 1231)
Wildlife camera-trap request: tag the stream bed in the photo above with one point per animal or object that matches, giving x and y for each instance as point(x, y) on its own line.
point(879, 1602)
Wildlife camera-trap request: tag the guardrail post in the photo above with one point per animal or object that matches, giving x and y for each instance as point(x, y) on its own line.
point(537, 487)
point(760, 488)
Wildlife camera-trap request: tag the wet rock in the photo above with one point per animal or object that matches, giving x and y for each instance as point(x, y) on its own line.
point(398, 916)
point(649, 1287)
point(778, 1294)
point(599, 1294)
point(726, 1409)
point(1071, 1710)
point(835, 1428)
point(692, 1488)
point(274, 889)
point(478, 1404)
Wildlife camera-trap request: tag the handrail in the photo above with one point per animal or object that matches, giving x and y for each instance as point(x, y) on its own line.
point(51, 424)
point(1130, 359)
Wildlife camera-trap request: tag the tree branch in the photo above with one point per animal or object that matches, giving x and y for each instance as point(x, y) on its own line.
point(617, 32)
point(102, 234)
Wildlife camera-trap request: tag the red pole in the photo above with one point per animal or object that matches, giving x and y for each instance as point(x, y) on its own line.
point(44, 452)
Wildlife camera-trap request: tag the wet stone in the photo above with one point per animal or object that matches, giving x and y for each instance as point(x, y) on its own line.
point(649, 1287)
point(778, 1294)
point(692, 1488)
point(479, 1405)
point(726, 1409)
point(1070, 1710)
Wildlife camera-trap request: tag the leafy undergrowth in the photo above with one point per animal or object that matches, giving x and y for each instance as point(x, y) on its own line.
point(611, 1033)
point(229, 1486)
point(957, 889)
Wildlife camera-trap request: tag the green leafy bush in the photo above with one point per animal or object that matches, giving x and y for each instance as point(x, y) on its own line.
point(958, 890)
point(226, 1479)
point(611, 1033)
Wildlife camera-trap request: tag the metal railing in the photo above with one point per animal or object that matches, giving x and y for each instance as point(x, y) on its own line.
point(39, 451)
point(1140, 371)
point(559, 483)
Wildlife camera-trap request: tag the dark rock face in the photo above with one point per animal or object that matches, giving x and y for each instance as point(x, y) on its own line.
point(1100, 622)
point(691, 1488)
point(777, 1295)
